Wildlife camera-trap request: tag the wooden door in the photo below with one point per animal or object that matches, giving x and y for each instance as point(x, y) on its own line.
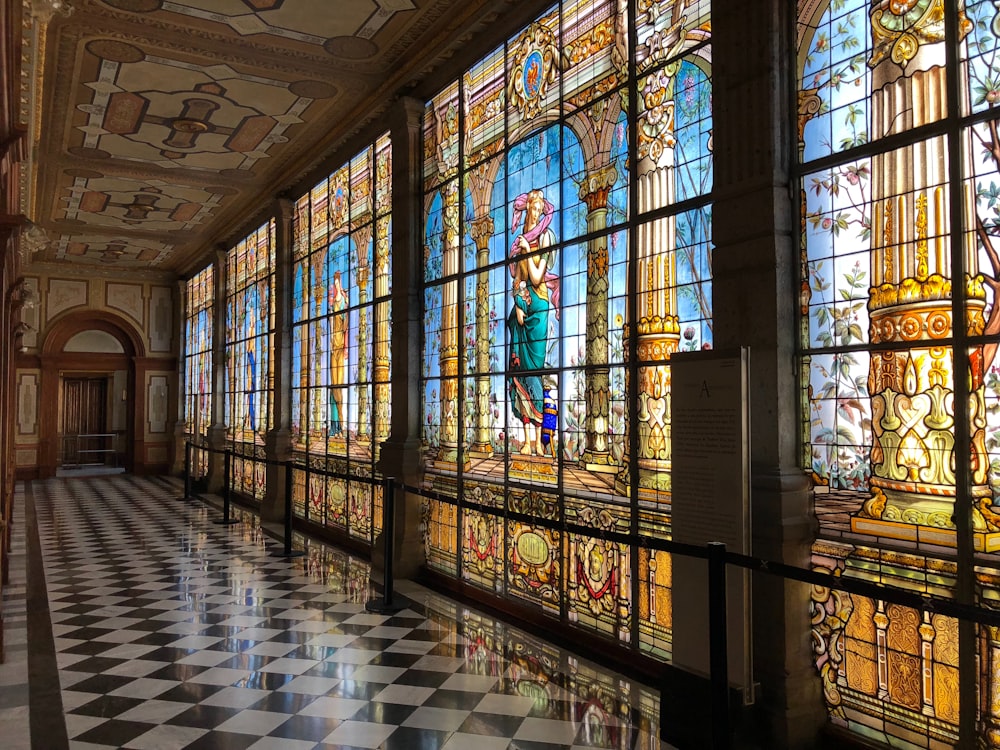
point(85, 412)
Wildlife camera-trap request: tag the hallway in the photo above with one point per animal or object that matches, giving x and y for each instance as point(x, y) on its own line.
point(170, 631)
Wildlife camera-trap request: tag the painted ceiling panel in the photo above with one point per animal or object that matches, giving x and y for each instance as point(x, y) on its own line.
point(166, 129)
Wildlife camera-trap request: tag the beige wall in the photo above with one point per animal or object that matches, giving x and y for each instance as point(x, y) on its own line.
point(139, 309)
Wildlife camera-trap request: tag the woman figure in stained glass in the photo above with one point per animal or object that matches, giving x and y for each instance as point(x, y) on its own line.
point(535, 292)
point(251, 373)
point(338, 354)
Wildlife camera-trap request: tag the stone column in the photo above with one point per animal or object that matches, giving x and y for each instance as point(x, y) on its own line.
point(278, 440)
point(217, 432)
point(400, 456)
point(756, 282)
point(594, 192)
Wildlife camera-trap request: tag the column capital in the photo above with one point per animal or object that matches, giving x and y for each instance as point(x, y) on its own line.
point(596, 187)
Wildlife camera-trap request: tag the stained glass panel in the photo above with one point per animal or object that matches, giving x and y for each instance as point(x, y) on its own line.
point(598, 585)
point(198, 337)
point(249, 377)
point(482, 550)
point(532, 259)
point(533, 565)
point(340, 354)
point(881, 259)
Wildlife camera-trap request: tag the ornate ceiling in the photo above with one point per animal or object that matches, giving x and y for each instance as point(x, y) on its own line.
point(162, 127)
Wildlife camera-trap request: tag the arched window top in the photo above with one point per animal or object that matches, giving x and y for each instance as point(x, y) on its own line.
point(94, 341)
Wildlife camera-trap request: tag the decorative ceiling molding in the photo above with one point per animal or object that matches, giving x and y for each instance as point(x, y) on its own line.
point(167, 127)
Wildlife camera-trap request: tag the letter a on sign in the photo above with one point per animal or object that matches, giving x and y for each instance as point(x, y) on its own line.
point(705, 392)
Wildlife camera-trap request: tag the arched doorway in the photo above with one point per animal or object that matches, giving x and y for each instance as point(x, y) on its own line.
point(89, 410)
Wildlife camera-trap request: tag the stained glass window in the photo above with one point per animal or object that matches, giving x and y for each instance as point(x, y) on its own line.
point(199, 306)
point(899, 204)
point(249, 374)
point(548, 208)
point(341, 254)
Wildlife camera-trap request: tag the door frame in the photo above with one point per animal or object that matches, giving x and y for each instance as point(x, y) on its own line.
point(55, 363)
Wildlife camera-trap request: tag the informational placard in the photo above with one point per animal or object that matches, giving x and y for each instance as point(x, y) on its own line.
point(710, 480)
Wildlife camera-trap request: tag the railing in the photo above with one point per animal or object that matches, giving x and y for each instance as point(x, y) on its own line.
point(89, 449)
point(715, 554)
point(383, 604)
point(718, 560)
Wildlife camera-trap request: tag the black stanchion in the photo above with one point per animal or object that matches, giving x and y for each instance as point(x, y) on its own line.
point(227, 474)
point(187, 470)
point(287, 550)
point(718, 645)
point(384, 604)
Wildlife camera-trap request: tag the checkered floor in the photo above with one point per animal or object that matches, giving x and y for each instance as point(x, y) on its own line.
point(173, 632)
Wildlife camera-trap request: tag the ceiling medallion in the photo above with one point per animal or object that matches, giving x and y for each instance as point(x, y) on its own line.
point(185, 125)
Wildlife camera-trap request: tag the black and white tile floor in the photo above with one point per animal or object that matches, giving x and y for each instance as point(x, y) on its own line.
point(172, 632)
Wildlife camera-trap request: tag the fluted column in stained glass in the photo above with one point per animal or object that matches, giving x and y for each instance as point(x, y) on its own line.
point(594, 192)
point(911, 380)
point(448, 452)
point(363, 238)
point(482, 230)
point(381, 372)
point(990, 676)
point(658, 329)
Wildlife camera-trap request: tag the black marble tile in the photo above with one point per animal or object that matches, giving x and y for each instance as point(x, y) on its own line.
point(267, 680)
point(372, 644)
point(458, 699)
point(364, 691)
point(528, 745)
point(202, 716)
point(101, 683)
point(412, 738)
point(222, 741)
point(157, 639)
point(167, 653)
point(396, 659)
point(107, 706)
point(249, 662)
point(284, 702)
point(114, 732)
point(378, 712)
point(331, 669)
point(422, 678)
point(342, 628)
point(422, 634)
point(89, 648)
point(312, 653)
point(96, 664)
point(179, 672)
point(189, 692)
point(314, 728)
point(496, 725)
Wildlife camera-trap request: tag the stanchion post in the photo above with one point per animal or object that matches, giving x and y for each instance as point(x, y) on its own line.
point(187, 470)
point(305, 469)
point(718, 645)
point(287, 550)
point(227, 492)
point(385, 604)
